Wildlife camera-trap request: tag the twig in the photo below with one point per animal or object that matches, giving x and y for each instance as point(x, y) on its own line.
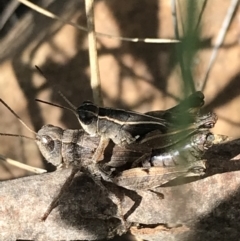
point(7, 13)
point(93, 58)
point(22, 165)
point(98, 34)
point(174, 17)
point(201, 14)
point(219, 41)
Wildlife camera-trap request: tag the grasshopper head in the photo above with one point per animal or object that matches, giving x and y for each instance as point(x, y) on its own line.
point(49, 141)
point(88, 117)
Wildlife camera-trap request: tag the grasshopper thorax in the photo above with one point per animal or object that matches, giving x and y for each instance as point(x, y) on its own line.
point(88, 117)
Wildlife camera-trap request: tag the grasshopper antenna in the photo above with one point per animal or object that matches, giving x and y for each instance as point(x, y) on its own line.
point(59, 92)
point(21, 121)
point(56, 105)
point(16, 135)
point(67, 100)
point(11, 161)
point(60, 106)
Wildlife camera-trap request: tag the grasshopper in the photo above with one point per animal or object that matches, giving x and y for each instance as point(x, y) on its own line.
point(85, 148)
point(104, 124)
point(129, 127)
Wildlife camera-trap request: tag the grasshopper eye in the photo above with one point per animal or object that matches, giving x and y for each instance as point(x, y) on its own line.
point(48, 141)
point(86, 117)
point(87, 112)
point(50, 149)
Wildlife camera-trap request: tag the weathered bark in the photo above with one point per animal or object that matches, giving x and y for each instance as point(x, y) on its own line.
point(206, 209)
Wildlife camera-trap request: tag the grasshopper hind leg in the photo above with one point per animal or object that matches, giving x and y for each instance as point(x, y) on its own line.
point(55, 200)
point(108, 192)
